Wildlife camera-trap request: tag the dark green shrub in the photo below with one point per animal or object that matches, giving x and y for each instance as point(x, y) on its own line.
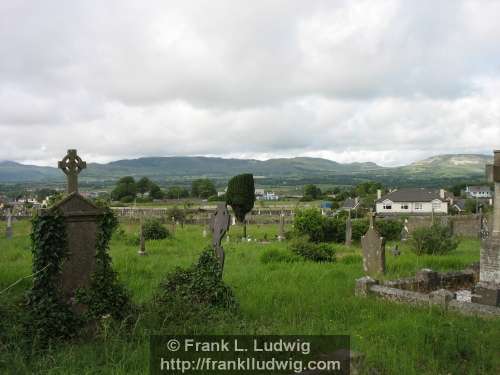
point(240, 196)
point(359, 228)
point(154, 230)
point(309, 222)
point(389, 229)
point(278, 256)
point(438, 239)
point(317, 252)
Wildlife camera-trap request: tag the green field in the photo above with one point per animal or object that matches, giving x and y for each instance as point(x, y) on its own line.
point(275, 298)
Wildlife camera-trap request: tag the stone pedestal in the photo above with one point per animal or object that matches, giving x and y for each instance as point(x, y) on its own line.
point(486, 294)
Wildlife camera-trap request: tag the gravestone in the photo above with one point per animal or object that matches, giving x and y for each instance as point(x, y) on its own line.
point(142, 242)
point(487, 291)
point(348, 229)
point(395, 251)
point(281, 234)
point(373, 250)
point(405, 233)
point(8, 229)
point(219, 225)
point(173, 225)
point(204, 233)
point(81, 217)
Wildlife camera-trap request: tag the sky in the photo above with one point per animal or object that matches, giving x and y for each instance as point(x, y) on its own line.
point(389, 82)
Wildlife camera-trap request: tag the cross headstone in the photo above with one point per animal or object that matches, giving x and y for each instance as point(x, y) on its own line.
point(72, 165)
point(219, 225)
point(487, 291)
point(281, 234)
point(373, 250)
point(8, 230)
point(348, 229)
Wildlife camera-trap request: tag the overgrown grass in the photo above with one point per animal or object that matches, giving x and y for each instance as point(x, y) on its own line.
point(275, 298)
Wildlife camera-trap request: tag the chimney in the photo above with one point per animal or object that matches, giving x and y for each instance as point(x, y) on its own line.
point(379, 193)
point(356, 201)
point(441, 193)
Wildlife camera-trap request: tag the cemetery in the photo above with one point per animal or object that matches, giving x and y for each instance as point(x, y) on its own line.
point(88, 287)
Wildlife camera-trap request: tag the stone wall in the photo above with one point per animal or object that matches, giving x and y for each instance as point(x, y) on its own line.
point(462, 225)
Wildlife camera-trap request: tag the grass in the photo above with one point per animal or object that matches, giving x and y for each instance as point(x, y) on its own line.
point(275, 298)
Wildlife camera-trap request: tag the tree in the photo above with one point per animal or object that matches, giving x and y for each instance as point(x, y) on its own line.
point(240, 196)
point(155, 192)
point(368, 188)
point(43, 193)
point(125, 190)
point(143, 185)
point(176, 192)
point(203, 188)
point(312, 192)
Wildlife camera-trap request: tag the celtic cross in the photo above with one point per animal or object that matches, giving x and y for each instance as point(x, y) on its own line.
point(72, 165)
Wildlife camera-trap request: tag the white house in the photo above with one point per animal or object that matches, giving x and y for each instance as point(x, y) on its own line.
point(268, 196)
point(478, 192)
point(417, 201)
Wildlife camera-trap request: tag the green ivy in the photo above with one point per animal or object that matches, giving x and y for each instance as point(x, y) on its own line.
point(48, 316)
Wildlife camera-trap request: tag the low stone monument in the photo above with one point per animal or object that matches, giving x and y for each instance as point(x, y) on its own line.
point(204, 233)
point(142, 242)
point(173, 225)
point(395, 251)
point(219, 225)
point(8, 229)
point(373, 250)
point(81, 217)
point(405, 233)
point(487, 291)
point(348, 229)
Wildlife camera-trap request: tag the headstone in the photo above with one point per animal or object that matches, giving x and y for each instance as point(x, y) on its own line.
point(281, 235)
point(173, 225)
point(142, 242)
point(219, 225)
point(395, 251)
point(81, 217)
point(487, 291)
point(373, 250)
point(405, 233)
point(204, 233)
point(348, 229)
point(8, 230)
point(233, 220)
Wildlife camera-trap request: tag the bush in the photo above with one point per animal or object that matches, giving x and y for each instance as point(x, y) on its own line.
point(154, 230)
point(317, 252)
point(278, 256)
point(359, 228)
point(438, 239)
point(389, 229)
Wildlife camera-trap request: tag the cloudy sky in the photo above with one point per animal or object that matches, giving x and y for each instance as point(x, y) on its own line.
point(383, 81)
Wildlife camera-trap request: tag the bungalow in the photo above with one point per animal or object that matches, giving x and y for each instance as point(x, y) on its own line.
point(417, 201)
point(478, 192)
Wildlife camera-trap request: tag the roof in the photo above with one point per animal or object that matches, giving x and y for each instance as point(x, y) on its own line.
point(412, 195)
point(477, 189)
point(460, 204)
point(350, 203)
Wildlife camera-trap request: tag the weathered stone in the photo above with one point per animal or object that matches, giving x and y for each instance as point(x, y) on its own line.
point(72, 165)
point(81, 218)
point(373, 251)
point(441, 297)
point(142, 242)
point(405, 232)
point(348, 230)
point(281, 234)
point(486, 294)
point(363, 285)
point(8, 229)
point(219, 225)
point(395, 251)
point(427, 279)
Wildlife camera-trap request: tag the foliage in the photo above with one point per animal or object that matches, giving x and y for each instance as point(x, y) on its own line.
point(143, 185)
point(176, 192)
point(368, 188)
point(125, 190)
point(218, 198)
point(241, 195)
point(195, 290)
point(438, 239)
point(359, 228)
point(389, 229)
point(312, 192)
point(105, 294)
point(43, 193)
point(155, 192)
point(318, 228)
point(49, 318)
point(176, 213)
point(203, 188)
point(153, 229)
point(278, 256)
point(317, 252)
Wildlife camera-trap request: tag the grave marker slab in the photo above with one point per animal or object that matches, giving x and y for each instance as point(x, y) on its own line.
point(219, 225)
point(373, 250)
point(8, 229)
point(348, 229)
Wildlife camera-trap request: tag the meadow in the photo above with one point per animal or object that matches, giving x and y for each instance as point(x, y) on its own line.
point(275, 298)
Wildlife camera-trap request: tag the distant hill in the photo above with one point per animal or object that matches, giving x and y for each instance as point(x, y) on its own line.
point(160, 168)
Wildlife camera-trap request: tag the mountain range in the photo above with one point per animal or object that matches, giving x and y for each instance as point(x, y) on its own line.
point(161, 168)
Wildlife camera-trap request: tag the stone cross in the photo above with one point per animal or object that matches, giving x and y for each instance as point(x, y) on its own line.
point(8, 231)
point(219, 225)
point(72, 165)
point(373, 250)
point(487, 291)
point(348, 229)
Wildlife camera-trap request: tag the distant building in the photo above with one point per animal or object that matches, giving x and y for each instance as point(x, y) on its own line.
point(326, 205)
point(267, 196)
point(417, 201)
point(350, 204)
point(459, 205)
point(478, 192)
point(259, 192)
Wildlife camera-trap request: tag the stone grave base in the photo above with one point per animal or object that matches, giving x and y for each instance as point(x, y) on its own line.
point(455, 291)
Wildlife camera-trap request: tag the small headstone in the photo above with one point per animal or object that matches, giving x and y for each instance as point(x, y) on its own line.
point(405, 232)
point(204, 233)
point(348, 230)
point(173, 225)
point(281, 235)
point(142, 242)
point(395, 251)
point(233, 220)
point(8, 230)
point(219, 225)
point(373, 251)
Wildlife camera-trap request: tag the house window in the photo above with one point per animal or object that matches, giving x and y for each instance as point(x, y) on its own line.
point(418, 206)
point(404, 206)
point(387, 206)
